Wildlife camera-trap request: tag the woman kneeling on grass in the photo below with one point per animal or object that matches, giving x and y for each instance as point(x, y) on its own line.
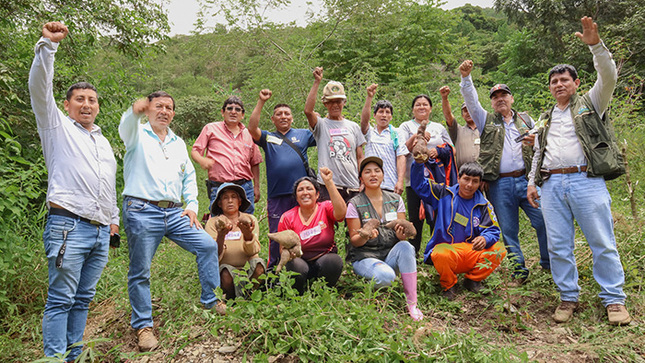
point(314, 222)
point(378, 256)
point(236, 234)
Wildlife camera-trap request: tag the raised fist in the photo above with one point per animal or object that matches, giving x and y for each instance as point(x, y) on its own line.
point(318, 73)
point(265, 94)
point(55, 31)
point(371, 90)
point(140, 106)
point(465, 68)
point(444, 91)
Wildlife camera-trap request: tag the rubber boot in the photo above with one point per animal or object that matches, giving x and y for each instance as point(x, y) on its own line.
point(410, 288)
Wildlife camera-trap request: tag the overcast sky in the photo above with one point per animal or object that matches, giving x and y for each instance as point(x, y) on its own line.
point(183, 13)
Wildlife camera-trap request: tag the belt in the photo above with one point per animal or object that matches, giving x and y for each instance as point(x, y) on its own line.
point(570, 170)
point(215, 184)
point(66, 213)
point(513, 174)
point(161, 203)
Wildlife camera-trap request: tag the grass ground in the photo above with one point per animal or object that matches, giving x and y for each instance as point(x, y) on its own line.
point(353, 322)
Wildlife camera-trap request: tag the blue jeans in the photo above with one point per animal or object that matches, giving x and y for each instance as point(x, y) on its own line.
point(145, 225)
point(250, 195)
point(569, 196)
point(71, 287)
point(508, 195)
point(401, 258)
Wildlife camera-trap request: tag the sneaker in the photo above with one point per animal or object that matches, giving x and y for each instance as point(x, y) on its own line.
point(617, 314)
point(564, 312)
point(147, 340)
point(451, 293)
point(219, 307)
point(473, 286)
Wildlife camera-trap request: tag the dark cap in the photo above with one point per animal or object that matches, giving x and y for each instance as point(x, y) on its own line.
point(463, 105)
point(500, 87)
point(367, 160)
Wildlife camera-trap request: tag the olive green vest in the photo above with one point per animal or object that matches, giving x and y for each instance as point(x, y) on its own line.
point(596, 136)
point(492, 144)
point(380, 246)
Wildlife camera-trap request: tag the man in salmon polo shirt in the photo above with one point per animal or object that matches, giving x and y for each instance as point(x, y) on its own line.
point(230, 154)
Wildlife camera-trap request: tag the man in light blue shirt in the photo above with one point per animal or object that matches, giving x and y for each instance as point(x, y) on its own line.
point(81, 197)
point(505, 154)
point(158, 174)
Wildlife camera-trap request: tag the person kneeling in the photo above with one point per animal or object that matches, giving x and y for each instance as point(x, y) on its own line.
point(466, 235)
point(379, 253)
point(237, 239)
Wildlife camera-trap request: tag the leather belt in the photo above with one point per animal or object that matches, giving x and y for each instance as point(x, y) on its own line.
point(570, 170)
point(161, 203)
point(513, 174)
point(65, 213)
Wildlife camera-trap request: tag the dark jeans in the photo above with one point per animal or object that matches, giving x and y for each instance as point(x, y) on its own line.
point(414, 205)
point(329, 267)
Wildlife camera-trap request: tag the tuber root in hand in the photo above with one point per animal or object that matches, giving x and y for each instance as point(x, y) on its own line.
point(368, 228)
point(408, 228)
point(420, 150)
point(290, 242)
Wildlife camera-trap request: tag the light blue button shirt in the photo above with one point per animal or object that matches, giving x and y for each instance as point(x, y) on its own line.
point(154, 169)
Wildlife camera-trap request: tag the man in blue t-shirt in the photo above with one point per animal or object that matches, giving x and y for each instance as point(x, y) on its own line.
point(284, 165)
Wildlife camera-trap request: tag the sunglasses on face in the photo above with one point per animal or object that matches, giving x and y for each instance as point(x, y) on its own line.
point(231, 108)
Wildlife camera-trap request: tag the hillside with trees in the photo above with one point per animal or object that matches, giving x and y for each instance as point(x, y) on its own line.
point(407, 47)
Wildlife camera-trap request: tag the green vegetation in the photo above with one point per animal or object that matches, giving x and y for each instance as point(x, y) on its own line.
point(408, 48)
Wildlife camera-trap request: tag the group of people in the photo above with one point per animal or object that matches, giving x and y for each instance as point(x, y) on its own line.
point(501, 156)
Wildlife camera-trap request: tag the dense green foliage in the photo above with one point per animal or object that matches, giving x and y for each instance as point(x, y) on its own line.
point(408, 47)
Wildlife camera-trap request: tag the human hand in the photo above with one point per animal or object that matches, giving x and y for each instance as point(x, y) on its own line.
point(432, 152)
point(400, 232)
point(444, 91)
point(114, 229)
point(246, 228)
point(479, 243)
point(533, 196)
point(589, 31)
point(371, 90)
point(465, 68)
point(528, 140)
point(483, 187)
point(55, 31)
point(256, 193)
point(265, 94)
point(193, 218)
point(318, 74)
point(140, 106)
point(326, 174)
point(206, 163)
point(398, 187)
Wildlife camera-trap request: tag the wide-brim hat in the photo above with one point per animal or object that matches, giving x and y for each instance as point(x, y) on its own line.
point(333, 90)
point(499, 87)
point(216, 210)
point(367, 160)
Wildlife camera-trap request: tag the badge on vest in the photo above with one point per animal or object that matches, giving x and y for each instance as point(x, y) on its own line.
point(233, 235)
point(461, 219)
point(477, 141)
point(274, 140)
point(390, 216)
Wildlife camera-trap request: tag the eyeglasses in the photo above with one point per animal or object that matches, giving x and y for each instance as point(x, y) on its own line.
point(231, 108)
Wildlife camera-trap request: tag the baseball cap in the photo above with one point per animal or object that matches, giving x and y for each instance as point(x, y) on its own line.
point(500, 87)
point(367, 160)
point(333, 90)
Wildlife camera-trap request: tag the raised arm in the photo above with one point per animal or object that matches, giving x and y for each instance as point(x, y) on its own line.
point(468, 91)
point(130, 120)
point(445, 106)
point(312, 116)
point(340, 208)
point(603, 89)
point(367, 108)
point(254, 120)
point(41, 75)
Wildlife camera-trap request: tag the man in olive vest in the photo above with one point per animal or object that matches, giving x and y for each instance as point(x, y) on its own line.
point(572, 169)
point(505, 154)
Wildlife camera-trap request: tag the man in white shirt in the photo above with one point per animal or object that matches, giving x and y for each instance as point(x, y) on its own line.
point(81, 197)
point(572, 171)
